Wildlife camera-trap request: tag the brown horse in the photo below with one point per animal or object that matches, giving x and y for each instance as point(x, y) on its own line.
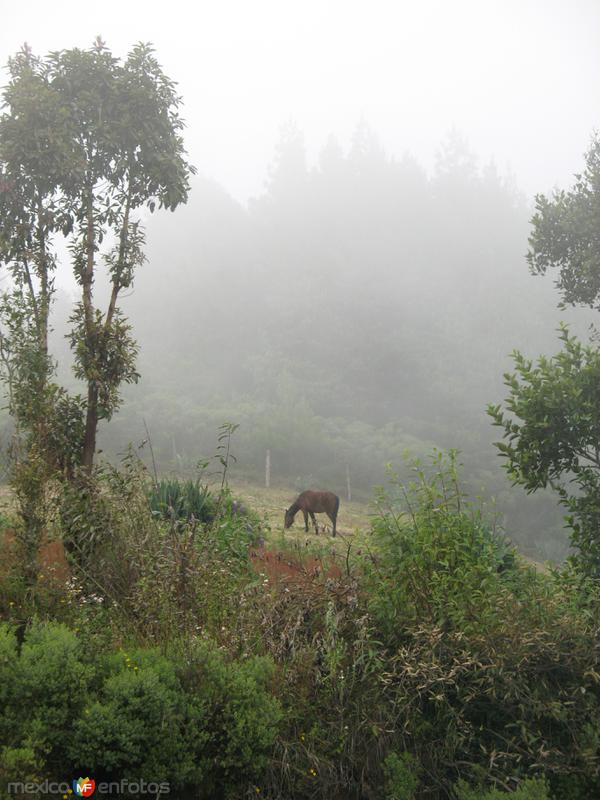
point(311, 502)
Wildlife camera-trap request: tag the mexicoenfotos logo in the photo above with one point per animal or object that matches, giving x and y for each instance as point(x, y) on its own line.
point(84, 787)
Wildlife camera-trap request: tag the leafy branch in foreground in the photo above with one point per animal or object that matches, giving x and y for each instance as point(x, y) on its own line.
point(551, 436)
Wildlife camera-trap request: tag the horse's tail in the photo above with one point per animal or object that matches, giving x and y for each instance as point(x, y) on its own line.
point(337, 505)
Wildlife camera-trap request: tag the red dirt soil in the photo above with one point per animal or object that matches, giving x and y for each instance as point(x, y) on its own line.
point(53, 562)
point(280, 566)
point(277, 565)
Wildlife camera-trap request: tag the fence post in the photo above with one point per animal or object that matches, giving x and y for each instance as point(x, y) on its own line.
point(268, 470)
point(348, 487)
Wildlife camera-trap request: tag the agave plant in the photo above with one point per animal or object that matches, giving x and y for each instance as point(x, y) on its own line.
point(174, 499)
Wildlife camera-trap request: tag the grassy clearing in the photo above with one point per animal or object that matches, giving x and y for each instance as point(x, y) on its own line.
point(354, 522)
point(354, 519)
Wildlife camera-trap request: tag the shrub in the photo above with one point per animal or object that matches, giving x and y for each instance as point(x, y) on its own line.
point(139, 725)
point(401, 777)
point(437, 559)
point(8, 673)
point(242, 717)
point(494, 667)
point(162, 580)
point(45, 692)
point(207, 728)
point(532, 789)
point(213, 725)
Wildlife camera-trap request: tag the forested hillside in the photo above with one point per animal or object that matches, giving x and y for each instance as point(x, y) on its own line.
point(357, 308)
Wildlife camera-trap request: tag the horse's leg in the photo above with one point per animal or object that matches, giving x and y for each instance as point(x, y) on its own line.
point(333, 518)
point(312, 516)
point(305, 520)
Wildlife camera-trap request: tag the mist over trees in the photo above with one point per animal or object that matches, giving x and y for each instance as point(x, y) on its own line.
point(364, 321)
point(358, 307)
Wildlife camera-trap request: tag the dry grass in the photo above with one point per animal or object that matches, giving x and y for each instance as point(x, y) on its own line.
point(354, 518)
point(6, 500)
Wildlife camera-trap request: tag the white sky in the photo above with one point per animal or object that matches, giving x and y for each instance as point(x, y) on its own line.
point(519, 78)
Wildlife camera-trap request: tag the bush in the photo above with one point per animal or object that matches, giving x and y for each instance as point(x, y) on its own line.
point(140, 724)
point(242, 717)
point(437, 559)
point(162, 580)
point(494, 666)
point(45, 691)
point(401, 781)
point(8, 674)
point(132, 715)
point(533, 789)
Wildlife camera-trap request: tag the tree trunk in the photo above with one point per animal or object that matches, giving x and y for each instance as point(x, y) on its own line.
point(91, 421)
point(91, 427)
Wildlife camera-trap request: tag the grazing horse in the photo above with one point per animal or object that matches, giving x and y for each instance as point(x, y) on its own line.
point(311, 502)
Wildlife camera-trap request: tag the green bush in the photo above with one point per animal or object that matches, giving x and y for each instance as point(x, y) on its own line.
point(213, 725)
point(140, 724)
point(532, 789)
point(437, 558)
point(8, 674)
point(125, 715)
point(45, 691)
point(495, 667)
point(401, 777)
point(242, 717)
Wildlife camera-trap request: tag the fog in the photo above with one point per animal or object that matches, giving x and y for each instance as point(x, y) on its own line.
point(348, 278)
point(517, 77)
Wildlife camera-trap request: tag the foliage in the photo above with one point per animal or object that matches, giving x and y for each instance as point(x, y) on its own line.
point(433, 656)
point(86, 142)
point(551, 429)
point(173, 499)
point(532, 789)
point(138, 724)
point(126, 714)
point(564, 236)
point(338, 716)
point(437, 559)
point(163, 577)
point(243, 717)
point(50, 678)
point(401, 781)
point(491, 665)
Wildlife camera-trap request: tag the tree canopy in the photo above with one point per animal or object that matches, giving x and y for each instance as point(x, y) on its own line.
point(565, 235)
point(86, 141)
